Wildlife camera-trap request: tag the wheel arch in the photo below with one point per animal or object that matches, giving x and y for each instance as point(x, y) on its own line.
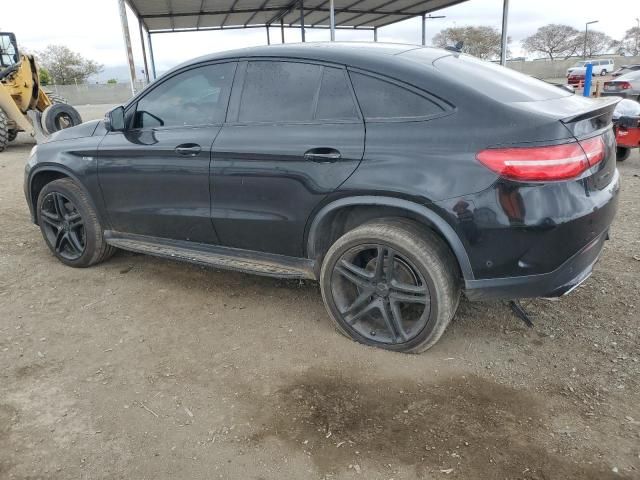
point(325, 226)
point(46, 174)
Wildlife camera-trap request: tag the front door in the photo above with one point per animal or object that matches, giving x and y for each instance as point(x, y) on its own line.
point(293, 135)
point(154, 175)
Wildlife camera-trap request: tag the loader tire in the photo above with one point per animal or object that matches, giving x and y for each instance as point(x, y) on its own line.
point(12, 135)
point(59, 116)
point(4, 130)
point(55, 98)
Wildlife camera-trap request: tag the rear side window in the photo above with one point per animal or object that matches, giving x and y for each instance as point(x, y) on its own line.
point(335, 101)
point(196, 97)
point(279, 92)
point(381, 100)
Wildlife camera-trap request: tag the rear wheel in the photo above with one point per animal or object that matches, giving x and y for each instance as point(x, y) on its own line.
point(391, 284)
point(12, 134)
point(55, 98)
point(4, 130)
point(70, 225)
point(622, 153)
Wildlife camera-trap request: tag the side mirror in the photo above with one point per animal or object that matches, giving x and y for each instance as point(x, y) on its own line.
point(114, 120)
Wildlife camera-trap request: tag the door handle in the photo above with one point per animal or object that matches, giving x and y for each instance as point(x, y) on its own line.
point(188, 149)
point(323, 155)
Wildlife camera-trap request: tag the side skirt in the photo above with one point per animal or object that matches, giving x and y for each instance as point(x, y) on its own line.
point(259, 263)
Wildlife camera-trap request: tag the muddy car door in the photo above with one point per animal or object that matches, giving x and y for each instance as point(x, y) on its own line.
point(293, 135)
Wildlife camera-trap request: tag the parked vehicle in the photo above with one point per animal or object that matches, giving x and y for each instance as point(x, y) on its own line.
point(626, 86)
point(575, 79)
point(470, 177)
point(600, 67)
point(624, 69)
point(626, 125)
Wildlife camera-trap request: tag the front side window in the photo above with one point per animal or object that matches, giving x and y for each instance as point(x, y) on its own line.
point(279, 92)
point(380, 99)
point(196, 97)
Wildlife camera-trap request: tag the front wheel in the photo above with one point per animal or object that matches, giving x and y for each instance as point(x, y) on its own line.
point(70, 225)
point(622, 153)
point(391, 284)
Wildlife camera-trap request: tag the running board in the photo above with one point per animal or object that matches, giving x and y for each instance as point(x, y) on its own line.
point(259, 263)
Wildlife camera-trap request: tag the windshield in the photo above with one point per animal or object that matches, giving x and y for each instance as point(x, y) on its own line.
point(495, 81)
point(8, 50)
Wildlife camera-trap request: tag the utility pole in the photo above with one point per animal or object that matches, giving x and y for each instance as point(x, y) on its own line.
point(586, 32)
point(424, 25)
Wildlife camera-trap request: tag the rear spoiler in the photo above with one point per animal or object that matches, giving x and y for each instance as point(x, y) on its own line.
point(592, 119)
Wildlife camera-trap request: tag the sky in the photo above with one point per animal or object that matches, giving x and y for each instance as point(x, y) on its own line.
point(92, 28)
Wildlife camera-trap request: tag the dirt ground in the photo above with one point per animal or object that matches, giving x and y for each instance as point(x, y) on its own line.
point(142, 368)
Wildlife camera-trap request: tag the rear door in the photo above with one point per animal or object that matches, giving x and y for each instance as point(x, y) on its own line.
point(293, 134)
point(154, 175)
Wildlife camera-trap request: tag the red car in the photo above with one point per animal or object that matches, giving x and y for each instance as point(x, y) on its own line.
point(627, 136)
point(575, 79)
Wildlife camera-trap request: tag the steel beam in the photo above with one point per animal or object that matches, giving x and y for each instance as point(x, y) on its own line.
point(282, 29)
point(332, 21)
point(153, 61)
point(302, 20)
point(127, 44)
point(505, 38)
point(375, 34)
point(424, 29)
point(144, 52)
point(268, 37)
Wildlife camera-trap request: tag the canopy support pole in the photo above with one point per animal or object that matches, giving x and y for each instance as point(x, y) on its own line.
point(424, 29)
point(268, 36)
point(144, 52)
point(282, 29)
point(127, 44)
point(504, 39)
point(302, 19)
point(375, 34)
point(153, 61)
point(332, 16)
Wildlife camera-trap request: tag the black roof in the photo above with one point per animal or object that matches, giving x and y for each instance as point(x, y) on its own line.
point(347, 53)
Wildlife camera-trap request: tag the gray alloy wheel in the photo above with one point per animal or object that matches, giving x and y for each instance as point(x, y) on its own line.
point(391, 284)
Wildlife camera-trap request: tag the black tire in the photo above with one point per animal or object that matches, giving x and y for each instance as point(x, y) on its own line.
point(622, 153)
point(413, 252)
point(4, 130)
point(70, 225)
point(59, 116)
point(603, 72)
point(55, 98)
point(12, 134)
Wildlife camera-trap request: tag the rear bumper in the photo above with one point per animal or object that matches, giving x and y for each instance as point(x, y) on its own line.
point(553, 284)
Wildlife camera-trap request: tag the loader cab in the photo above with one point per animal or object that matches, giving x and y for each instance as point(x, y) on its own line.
point(8, 50)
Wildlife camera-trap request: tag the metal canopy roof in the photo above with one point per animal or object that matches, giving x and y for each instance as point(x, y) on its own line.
point(184, 15)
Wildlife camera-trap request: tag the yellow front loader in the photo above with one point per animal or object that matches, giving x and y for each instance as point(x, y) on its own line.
point(24, 106)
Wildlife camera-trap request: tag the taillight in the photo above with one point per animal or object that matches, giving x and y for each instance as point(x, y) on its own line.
point(624, 85)
point(554, 162)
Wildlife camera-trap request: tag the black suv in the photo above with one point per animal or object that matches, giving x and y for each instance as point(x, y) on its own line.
point(396, 176)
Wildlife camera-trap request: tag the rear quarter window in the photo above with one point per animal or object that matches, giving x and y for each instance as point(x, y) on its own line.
point(380, 99)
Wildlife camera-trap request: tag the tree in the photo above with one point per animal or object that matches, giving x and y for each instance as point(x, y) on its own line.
point(66, 66)
point(597, 42)
point(45, 77)
point(482, 42)
point(112, 81)
point(554, 40)
point(630, 43)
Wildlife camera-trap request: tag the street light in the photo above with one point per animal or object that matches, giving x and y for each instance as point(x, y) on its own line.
point(586, 32)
